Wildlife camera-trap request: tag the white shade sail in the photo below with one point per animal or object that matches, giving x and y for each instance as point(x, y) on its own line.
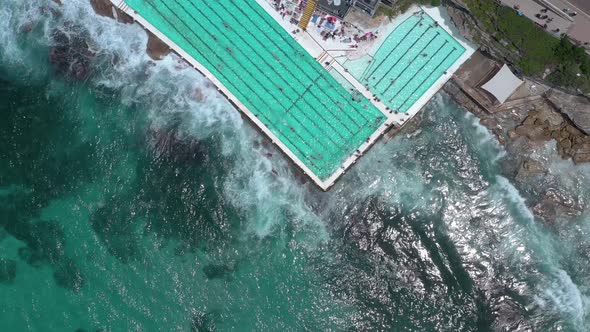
point(503, 84)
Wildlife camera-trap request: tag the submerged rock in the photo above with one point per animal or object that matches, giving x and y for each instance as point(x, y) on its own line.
point(68, 275)
point(7, 270)
point(168, 144)
point(217, 271)
point(203, 322)
point(156, 48)
point(71, 54)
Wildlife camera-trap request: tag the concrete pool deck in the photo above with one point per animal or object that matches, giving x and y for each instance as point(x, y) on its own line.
point(311, 41)
point(315, 49)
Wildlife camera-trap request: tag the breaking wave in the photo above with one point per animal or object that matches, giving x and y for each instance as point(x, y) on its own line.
point(428, 210)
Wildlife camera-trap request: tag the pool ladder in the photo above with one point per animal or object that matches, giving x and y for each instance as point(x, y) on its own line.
point(122, 5)
point(326, 60)
point(307, 13)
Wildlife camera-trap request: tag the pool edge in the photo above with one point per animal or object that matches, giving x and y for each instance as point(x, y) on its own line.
point(236, 103)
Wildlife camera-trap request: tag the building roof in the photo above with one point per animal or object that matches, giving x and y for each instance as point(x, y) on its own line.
point(368, 6)
point(335, 7)
point(503, 84)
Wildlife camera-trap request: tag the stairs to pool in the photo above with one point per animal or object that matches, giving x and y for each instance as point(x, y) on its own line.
point(307, 13)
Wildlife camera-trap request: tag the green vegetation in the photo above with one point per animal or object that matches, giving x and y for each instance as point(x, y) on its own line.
point(536, 50)
point(401, 6)
point(384, 10)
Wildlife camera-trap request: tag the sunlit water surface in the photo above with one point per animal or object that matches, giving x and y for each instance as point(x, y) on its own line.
point(137, 199)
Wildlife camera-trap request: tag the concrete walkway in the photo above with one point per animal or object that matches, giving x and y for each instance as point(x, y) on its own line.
point(315, 49)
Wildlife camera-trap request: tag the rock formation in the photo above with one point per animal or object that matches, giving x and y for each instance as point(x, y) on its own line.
point(105, 8)
point(167, 144)
point(156, 48)
point(544, 124)
point(70, 53)
point(576, 108)
point(469, 28)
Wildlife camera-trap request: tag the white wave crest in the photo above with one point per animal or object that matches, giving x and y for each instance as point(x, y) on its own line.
point(562, 295)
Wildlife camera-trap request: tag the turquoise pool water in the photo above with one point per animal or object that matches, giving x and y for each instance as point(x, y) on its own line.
point(273, 76)
point(412, 58)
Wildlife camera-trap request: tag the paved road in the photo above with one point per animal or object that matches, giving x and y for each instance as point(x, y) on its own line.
point(577, 27)
point(583, 5)
point(530, 8)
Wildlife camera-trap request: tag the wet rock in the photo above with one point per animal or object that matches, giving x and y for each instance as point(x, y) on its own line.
point(533, 132)
point(71, 54)
point(530, 120)
point(106, 9)
point(103, 7)
point(529, 168)
point(582, 148)
point(550, 119)
point(566, 144)
point(563, 133)
point(85, 330)
point(7, 270)
point(27, 28)
point(167, 143)
point(554, 203)
point(67, 275)
point(512, 134)
point(203, 322)
point(217, 271)
point(576, 108)
point(573, 131)
point(123, 17)
point(44, 239)
point(581, 158)
point(545, 123)
point(156, 48)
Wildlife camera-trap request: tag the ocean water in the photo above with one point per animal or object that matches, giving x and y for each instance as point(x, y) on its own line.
point(134, 198)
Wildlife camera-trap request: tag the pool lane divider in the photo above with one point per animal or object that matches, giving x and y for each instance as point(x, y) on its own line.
point(392, 120)
point(250, 116)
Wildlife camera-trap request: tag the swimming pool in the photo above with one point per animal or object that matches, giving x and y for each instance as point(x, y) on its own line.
point(272, 75)
point(412, 58)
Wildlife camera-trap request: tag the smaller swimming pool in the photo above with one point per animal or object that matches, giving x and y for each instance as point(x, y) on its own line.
point(412, 58)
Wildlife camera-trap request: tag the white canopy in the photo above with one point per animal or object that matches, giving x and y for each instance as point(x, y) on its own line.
point(503, 84)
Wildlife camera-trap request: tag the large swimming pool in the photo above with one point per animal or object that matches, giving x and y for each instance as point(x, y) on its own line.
point(271, 74)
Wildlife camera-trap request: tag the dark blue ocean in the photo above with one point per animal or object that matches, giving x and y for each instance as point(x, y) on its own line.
point(133, 197)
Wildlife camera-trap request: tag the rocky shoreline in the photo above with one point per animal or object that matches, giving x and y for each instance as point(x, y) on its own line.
point(523, 132)
point(155, 48)
point(559, 116)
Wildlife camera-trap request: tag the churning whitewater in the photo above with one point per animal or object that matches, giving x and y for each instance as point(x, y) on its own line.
point(134, 197)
